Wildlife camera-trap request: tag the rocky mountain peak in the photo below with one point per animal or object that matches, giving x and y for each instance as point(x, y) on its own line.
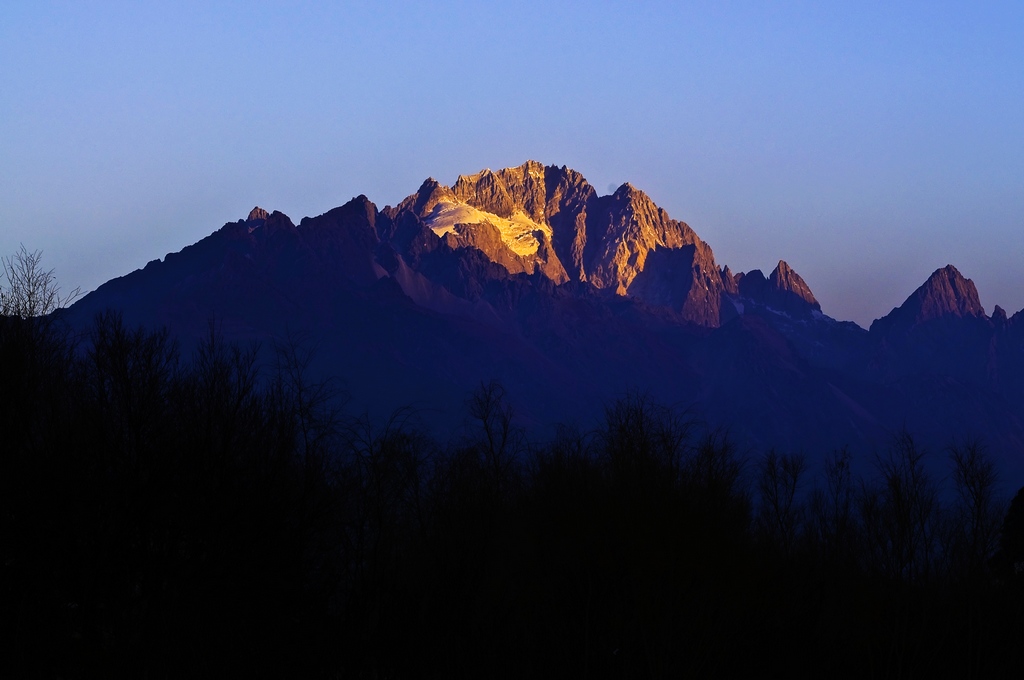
point(752, 285)
point(999, 316)
point(790, 288)
point(729, 281)
point(629, 195)
point(361, 208)
point(430, 193)
point(784, 290)
point(945, 295)
point(277, 221)
point(628, 234)
point(485, 191)
point(257, 213)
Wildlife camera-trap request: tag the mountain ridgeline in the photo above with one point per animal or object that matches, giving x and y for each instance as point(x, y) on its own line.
point(569, 298)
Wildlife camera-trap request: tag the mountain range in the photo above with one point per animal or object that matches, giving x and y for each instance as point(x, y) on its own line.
point(569, 298)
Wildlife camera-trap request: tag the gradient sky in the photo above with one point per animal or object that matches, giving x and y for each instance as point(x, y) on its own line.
point(867, 144)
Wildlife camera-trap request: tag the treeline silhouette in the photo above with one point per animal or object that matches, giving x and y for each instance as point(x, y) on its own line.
point(222, 514)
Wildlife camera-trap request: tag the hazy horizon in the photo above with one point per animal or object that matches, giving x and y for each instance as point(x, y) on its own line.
point(866, 145)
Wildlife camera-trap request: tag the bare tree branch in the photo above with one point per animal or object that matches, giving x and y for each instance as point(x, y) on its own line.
point(31, 291)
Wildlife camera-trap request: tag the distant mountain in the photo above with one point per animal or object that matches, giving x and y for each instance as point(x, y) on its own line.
point(942, 330)
point(945, 296)
point(570, 298)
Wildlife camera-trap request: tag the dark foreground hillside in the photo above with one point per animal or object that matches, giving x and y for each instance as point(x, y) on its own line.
point(221, 514)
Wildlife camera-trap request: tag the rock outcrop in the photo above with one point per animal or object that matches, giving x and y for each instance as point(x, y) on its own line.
point(729, 284)
point(257, 213)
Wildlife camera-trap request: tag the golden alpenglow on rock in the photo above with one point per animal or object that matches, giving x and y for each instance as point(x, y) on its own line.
point(549, 219)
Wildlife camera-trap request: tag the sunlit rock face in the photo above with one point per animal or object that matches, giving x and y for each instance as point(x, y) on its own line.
point(257, 214)
point(729, 284)
point(550, 220)
point(522, 189)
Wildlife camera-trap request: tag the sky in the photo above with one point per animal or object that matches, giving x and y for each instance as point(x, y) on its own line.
point(867, 144)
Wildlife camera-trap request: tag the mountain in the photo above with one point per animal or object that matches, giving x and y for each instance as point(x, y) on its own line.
point(551, 220)
point(943, 330)
point(945, 296)
point(570, 298)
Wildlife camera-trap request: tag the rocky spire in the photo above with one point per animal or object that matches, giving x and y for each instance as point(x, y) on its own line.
point(789, 292)
point(945, 295)
point(729, 284)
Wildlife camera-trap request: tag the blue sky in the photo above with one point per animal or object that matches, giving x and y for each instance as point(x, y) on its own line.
point(867, 144)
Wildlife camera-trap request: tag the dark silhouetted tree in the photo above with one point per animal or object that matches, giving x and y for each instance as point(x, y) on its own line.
point(832, 511)
point(900, 515)
point(1011, 540)
point(645, 443)
point(500, 440)
point(977, 511)
point(780, 514)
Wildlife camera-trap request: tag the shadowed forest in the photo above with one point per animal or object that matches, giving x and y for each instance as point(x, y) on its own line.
point(221, 513)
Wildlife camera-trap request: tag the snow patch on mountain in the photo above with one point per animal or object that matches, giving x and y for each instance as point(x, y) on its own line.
point(517, 232)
